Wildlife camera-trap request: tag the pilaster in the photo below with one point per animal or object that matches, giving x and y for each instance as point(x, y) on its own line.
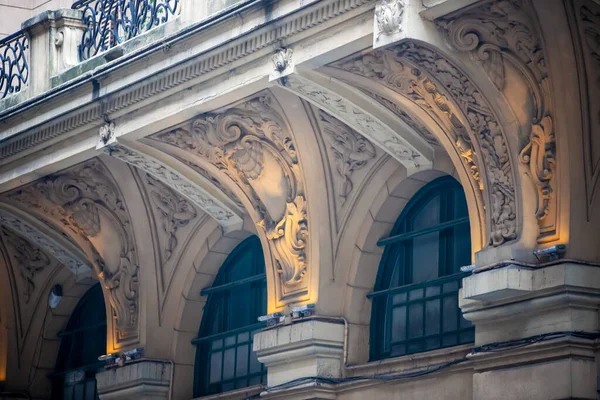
point(310, 348)
point(141, 380)
point(545, 319)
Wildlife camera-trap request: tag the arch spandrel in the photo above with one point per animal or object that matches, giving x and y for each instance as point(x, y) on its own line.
point(250, 149)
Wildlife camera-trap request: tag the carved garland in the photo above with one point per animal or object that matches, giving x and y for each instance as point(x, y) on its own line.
point(351, 150)
point(505, 31)
point(236, 142)
point(77, 198)
point(414, 83)
point(175, 211)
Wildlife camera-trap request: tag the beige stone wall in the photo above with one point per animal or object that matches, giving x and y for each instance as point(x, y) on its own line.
point(14, 12)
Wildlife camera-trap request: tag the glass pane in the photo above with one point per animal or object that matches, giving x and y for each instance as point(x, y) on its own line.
point(90, 389)
point(217, 344)
point(415, 347)
point(429, 215)
point(449, 340)
point(399, 298)
point(451, 286)
point(450, 313)
point(432, 291)
point(215, 366)
point(462, 248)
point(229, 364)
point(229, 341)
point(467, 337)
point(243, 337)
point(425, 257)
point(78, 391)
point(255, 365)
point(415, 321)
point(242, 361)
point(432, 317)
point(398, 350)
point(460, 204)
point(433, 343)
point(68, 393)
point(416, 294)
point(398, 324)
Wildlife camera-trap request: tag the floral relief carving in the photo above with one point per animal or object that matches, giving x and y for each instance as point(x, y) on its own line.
point(336, 105)
point(505, 31)
point(175, 211)
point(31, 260)
point(351, 150)
point(388, 16)
point(218, 211)
point(76, 198)
point(238, 142)
point(410, 70)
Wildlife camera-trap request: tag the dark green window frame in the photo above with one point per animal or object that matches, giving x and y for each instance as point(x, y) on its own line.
point(226, 334)
point(81, 343)
point(410, 315)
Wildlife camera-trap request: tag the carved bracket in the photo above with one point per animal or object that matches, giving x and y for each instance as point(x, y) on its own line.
point(387, 21)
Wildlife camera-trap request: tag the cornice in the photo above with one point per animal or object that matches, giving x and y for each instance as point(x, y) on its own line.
point(262, 37)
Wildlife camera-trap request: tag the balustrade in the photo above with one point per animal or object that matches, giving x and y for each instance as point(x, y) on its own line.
point(109, 23)
point(14, 67)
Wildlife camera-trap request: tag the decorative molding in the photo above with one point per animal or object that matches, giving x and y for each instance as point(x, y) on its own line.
point(76, 198)
point(126, 152)
point(30, 259)
point(77, 265)
point(240, 142)
point(351, 151)
point(365, 124)
point(202, 65)
point(418, 82)
point(388, 17)
point(282, 59)
point(505, 31)
point(404, 116)
point(175, 212)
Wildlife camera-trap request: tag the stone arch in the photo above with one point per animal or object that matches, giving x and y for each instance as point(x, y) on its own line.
point(190, 307)
point(418, 81)
point(388, 201)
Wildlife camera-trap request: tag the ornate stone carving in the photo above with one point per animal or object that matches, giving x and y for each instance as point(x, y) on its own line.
point(175, 211)
point(356, 118)
point(388, 16)
point(107, 132)
point(241, 142)
point(76, 198)
point(351, 150)
point(212, 206)
point(416, 82)
point(538, 154)
point(282, 59)
point(75, 264)
point(505, 31)
point(30, 259)
point(403, 115)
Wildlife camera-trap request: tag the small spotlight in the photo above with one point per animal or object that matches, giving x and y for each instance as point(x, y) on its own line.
point(552, 253)
point(303, 311)
point(109, 359)
point(272, 319)
point(468, 268)
point(55, 296)
point(133, 354)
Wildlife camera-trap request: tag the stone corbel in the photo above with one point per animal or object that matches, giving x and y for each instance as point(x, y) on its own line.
point(175, 175)
point(67, 254)
point(388, 22)
point(388, 132)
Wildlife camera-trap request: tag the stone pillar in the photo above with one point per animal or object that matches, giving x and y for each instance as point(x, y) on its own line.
point(53, 40)
point(543, 304)
point(309, 348)
point(140, 380)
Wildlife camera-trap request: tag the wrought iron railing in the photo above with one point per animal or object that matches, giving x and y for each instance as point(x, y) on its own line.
point(14, 68)
point(109, 23)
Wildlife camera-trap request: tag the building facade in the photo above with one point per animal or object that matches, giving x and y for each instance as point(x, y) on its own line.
point(300, 199)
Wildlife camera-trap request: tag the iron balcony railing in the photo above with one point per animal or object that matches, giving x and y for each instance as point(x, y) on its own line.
point(109, 23)
point(14, 67)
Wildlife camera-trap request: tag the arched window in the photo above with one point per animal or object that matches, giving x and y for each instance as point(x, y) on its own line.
point(415, 302)
point(81, 343)
point(224, 357)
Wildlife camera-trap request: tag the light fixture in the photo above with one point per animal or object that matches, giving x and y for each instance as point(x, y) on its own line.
point(272, 319)
point(468, 268)
point(55, 296)
point(303, 311)
point(552, 253)
point(134, 354)
point(109, 359)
